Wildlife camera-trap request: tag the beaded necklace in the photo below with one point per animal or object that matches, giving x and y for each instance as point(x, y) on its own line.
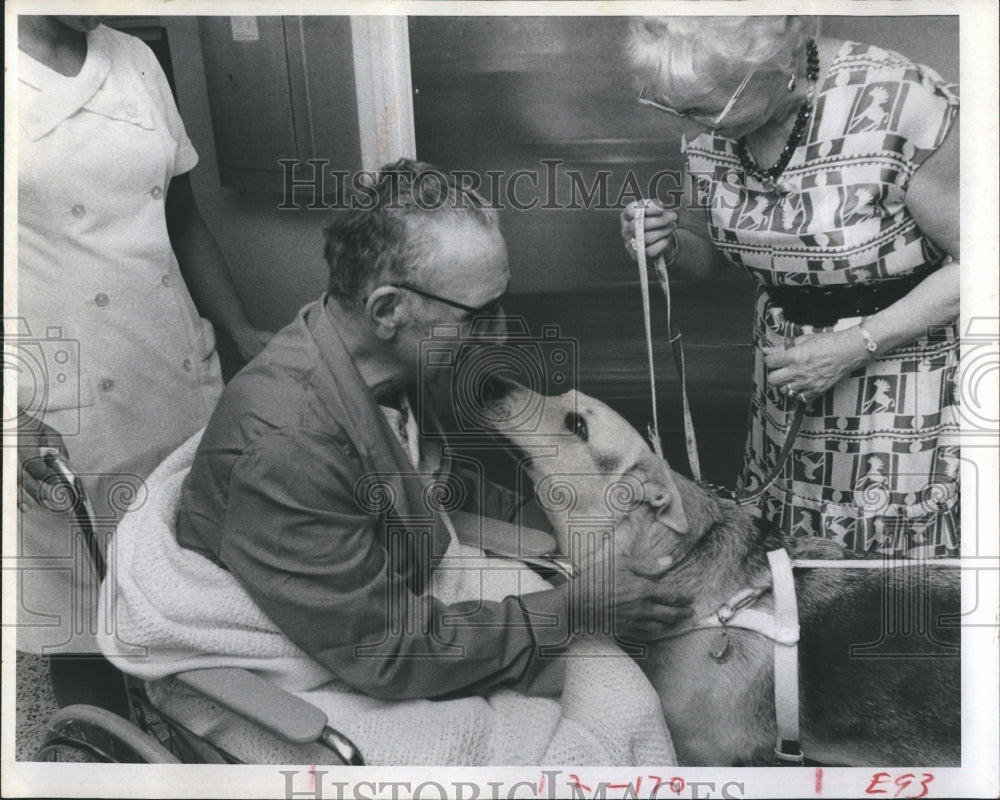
point(769, 176)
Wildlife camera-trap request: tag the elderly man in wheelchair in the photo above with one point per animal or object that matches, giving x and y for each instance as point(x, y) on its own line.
point(320, 539)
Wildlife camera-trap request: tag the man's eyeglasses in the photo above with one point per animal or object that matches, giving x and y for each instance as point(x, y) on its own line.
point(492, 308)
point(645, 100)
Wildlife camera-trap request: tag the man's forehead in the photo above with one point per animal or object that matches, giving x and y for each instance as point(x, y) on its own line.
point(449, 227)
point(464, 249)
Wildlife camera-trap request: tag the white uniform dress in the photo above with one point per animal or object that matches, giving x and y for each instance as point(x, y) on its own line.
point(111, 351)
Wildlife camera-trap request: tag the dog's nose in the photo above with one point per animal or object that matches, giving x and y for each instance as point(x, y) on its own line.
point(493, 388)
point(496, 386)
point(656, 495)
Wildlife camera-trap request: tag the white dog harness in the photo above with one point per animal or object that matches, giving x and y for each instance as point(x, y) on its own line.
point(781, 626)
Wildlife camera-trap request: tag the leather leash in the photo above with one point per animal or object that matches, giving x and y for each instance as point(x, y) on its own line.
point(678, 353)
point(786, 449)
point(675, 346)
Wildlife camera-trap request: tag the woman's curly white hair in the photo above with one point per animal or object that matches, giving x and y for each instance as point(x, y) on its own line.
point(687, 57)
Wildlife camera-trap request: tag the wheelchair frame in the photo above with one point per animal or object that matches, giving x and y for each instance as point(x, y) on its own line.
point(95, 734)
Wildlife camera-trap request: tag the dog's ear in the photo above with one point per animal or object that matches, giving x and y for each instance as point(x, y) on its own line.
point(660, 492)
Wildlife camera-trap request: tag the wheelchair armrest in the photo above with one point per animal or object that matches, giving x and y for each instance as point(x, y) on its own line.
point(259, 701)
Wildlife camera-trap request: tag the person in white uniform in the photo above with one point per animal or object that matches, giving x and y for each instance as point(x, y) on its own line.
point(115, 365)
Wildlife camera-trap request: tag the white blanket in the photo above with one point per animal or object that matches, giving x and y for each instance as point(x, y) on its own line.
point(172, 609)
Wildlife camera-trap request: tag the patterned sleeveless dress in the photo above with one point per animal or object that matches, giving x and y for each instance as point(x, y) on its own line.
point(875, 466)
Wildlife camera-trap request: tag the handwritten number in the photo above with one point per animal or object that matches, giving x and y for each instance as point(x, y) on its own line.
point(904, 782)
point(923, 785)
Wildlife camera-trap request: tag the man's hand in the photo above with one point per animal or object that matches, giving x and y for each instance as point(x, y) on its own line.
point(34, 437)
point(655, 608)
point(629, 587)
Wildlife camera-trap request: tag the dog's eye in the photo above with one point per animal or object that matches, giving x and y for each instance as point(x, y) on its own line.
point(576, 425)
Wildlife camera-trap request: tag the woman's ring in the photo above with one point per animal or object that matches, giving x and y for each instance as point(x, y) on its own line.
point(631, 244)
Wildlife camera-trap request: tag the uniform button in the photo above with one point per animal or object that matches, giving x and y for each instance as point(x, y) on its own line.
point(107, 385)
point(165, 280)
point(187, 364)
point(101, 299)
point(78, 210)
point(157, 192)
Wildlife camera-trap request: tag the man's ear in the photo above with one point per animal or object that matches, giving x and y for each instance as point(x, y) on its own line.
point(384, 309)
point(660, 492)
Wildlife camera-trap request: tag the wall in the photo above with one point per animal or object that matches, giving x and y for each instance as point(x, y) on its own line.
point(276, 256)
point(929, 40)
point(505, 93)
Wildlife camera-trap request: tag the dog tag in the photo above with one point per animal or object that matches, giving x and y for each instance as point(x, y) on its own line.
point(720, 648)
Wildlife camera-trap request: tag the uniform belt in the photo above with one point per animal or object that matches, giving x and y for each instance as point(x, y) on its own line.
point(824, 305)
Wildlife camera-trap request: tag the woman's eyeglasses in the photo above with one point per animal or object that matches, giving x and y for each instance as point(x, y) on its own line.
point(645, 100)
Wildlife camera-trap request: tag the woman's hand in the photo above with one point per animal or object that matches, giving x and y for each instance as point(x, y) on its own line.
point(815, 362)
point(660, 230)
point(33, 437)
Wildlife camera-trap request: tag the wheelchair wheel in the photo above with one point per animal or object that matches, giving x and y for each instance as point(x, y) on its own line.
point(93, 735)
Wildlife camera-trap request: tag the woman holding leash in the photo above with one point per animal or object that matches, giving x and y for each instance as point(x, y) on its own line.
point(116, 366)
point(827, 170)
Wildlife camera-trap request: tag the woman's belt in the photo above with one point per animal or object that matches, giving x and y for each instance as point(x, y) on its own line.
point(824, 305)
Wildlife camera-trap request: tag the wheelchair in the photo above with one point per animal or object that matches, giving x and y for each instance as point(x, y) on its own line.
point(96, 734)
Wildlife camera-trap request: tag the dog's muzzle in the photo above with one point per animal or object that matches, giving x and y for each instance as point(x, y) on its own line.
point(496, 387)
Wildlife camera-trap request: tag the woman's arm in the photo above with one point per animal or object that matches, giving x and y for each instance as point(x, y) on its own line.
point(817, 362)
point(205, 271)
point(933, 199)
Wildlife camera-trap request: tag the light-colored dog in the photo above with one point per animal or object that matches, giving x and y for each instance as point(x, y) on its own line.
point(867, 697)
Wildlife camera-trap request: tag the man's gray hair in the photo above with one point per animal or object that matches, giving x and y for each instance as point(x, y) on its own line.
point(382, 239)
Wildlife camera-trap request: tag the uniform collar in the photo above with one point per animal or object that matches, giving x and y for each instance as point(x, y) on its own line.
point(61, 97)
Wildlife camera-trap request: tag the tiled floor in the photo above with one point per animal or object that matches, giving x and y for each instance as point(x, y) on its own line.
point(35, 704)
